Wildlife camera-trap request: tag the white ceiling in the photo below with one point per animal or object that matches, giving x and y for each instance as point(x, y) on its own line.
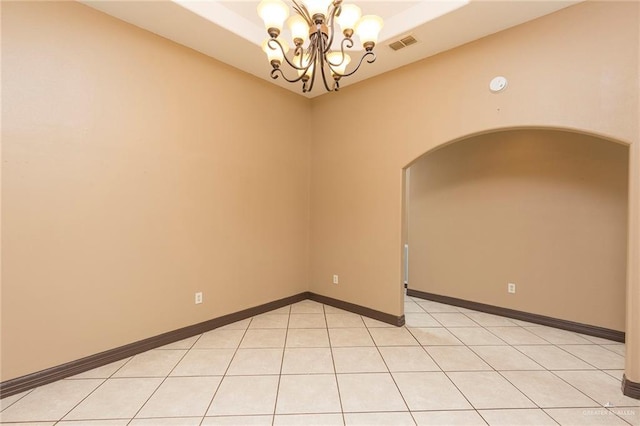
point(232, 32)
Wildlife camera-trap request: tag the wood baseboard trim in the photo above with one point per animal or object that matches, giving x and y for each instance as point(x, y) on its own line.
point(49, 375)
point(629, 388)
point(590, 330)
point(23, 383)
point(398, 321)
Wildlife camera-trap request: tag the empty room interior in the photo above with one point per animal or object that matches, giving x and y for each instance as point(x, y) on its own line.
point(452, 238)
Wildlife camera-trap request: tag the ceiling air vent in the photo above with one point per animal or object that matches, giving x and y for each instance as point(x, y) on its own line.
point(403, 42)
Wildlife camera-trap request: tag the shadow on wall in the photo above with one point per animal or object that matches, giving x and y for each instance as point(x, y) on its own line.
point(543, 209)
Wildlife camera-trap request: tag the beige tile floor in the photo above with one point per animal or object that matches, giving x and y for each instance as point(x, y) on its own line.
point(311, 364)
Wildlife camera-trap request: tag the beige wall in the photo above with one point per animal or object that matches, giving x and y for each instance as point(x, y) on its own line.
point(576, 69)
point(545, 210)
point(136, 172)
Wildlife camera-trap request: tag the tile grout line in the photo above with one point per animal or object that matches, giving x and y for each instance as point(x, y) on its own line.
point(445, 373)
point(391, 375)
point(284, 347)
point(333, 363)
point(159, 386)
point(226, 370)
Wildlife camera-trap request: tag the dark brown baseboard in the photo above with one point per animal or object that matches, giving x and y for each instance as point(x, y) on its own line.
point(629, 388)
point(23, 383)
point(590, 330)
point(30, 381)
point(360, 310)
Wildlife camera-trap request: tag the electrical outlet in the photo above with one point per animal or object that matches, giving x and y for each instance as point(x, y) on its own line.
point(335, 279)
point(198, 298)
point(511, 288)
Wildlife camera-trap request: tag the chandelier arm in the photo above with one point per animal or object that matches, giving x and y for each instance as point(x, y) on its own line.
point(301, 9)
point(345, 41)
point(324, 76)
point(291, 64)
point(370, 61)
point(312, 61)
point(334, 12)
point(276, 71)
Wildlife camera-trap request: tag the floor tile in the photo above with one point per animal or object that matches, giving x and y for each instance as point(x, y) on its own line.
point(505, 358)
point(521, 417)
point(331, 310)
point(585, 417)
point(182, 344)
point(411, 306)
point(558, 337)
point(371, 392)
point(358, 360)
point(256, 362)
point(307, 307)
point(32, 423)
point(115, 398)
point(307, 361)
point(430, 391)
point(341, 337)
point(154, 363)
point(307, 321)
point(517, 336)
point(269, 321)
point(238, 325)
point(599, 386)
point(204, 362)
point(381, 419)
point(432, 307)
point(449, 319)
point(420, 320)
point(407, 358)
point(457, 358)
point(50, 402)
point(301, 394)
point(177, 421)
point(548, 390)
point(279, 374)
point(344, 321)
point(486, 390)
point(615, 373)
point(489, 320)
point(619, 349)
point(630, 414)
point(474, 336)
point(103, 372)
point(553, 358)
point(372, 323)
point(264, 338)
point(308, 420)
point(307, 338)
point(9, 400)
point(181, 397)
point(398, 336)
point(245, 395)
point(434, 336)
point(597, 356)
point(598, 340)
point(238, 421)
point(449, 418)
point(118, 422)
point(220, 339)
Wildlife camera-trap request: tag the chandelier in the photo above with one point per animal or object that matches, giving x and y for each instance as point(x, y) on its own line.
point(314, 22)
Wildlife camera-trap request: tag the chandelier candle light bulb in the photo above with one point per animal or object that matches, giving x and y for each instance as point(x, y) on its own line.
point(312, 27)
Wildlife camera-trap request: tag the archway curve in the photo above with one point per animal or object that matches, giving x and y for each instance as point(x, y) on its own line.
point(466, 136)
point(632, 339)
